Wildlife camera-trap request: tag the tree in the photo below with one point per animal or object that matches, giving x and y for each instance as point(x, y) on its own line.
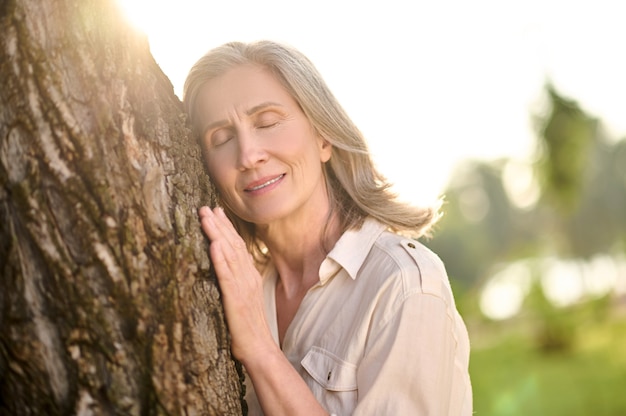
point(565, 139)
point(580, 214)
point(107, 305)
point(481, 226)
point(581, 171)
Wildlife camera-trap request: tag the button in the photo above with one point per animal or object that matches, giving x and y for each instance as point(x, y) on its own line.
point(328, 377)
point(411, 245)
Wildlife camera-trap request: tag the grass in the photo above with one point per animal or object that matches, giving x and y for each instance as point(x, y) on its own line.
point(512, 376)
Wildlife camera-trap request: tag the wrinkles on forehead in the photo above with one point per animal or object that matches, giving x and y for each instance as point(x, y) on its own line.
point(210, 125)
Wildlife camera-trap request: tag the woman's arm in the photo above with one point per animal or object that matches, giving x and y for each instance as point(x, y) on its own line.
point(280, 389)
point(416, 363)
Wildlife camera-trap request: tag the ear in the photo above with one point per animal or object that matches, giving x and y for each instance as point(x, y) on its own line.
point(325, 149)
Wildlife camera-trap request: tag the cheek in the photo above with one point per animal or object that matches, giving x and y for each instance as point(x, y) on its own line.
point(218, 172)
point(224, 188)
point(294, 145)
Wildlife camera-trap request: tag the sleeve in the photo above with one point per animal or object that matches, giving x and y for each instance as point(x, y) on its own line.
point(417, 362)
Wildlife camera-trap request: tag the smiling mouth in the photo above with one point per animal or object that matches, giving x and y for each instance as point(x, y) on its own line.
point(263, 185)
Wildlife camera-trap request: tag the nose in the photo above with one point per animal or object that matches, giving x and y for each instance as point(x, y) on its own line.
point(250, 151)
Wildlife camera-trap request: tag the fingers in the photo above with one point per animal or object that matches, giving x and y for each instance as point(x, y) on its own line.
point(216, 224)
point(228, 250)
point(227, 228)
point(240, 282)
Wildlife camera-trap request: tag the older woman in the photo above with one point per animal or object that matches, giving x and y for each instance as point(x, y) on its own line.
point(332, 306)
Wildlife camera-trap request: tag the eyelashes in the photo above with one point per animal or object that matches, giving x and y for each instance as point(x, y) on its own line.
point(267, 126)
point(221, 137)
point(262, 122)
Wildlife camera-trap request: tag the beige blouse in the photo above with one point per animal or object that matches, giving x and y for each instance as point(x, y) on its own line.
point(380, 333)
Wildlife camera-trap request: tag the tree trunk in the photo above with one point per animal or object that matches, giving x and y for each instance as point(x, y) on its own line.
point(106, 301)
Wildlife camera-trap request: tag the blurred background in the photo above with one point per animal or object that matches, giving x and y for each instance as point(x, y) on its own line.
point(515, 113)
point(536, 254)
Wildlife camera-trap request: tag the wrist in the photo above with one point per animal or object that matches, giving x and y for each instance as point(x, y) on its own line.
point(260, 355)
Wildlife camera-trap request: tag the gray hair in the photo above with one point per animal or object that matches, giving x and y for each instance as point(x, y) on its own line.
point(356, 188)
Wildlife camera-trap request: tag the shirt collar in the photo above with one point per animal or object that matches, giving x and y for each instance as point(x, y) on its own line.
point(351, 250)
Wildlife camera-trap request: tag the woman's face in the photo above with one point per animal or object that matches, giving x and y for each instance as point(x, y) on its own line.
point(260, 149)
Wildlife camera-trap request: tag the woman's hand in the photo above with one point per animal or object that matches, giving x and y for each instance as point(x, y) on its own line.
point(241, 285)
point(280, 389)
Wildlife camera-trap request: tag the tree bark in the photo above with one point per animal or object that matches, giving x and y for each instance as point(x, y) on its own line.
point(107, 305)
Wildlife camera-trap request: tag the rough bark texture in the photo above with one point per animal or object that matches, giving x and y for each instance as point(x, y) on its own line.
point(106, 303)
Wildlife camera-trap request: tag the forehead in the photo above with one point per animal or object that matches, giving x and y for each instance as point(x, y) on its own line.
point(240, 89)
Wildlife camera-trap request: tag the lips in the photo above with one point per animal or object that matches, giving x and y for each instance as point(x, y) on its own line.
point(263, 183)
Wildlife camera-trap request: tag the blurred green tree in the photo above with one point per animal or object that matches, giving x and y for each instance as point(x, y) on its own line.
point(565, 139)
point(581, 210)
point(582, 175)
point(481, 226)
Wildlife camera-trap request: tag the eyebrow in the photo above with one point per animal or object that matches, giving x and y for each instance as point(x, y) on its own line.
point(249, 112)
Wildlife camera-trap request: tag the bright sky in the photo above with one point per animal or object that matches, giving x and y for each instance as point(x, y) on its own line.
point(429, 83)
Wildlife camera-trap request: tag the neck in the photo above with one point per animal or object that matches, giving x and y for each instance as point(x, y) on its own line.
point(298, 248)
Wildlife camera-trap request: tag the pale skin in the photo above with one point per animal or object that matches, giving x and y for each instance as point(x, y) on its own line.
point(266, 162)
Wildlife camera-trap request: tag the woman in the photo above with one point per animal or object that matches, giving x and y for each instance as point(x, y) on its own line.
point(332, 308)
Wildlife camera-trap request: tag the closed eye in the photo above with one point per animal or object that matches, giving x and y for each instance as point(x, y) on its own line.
point(267, 120)
point(220, 137)
point(267, 125)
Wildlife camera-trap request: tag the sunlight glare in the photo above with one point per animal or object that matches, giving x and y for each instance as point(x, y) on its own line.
point(425, 96)
point(562, 282)
point(600, 275)
point(504, 293)
point(138, 13)
point(520, 184)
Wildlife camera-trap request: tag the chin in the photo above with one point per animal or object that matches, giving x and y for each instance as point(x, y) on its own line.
point(264, 217)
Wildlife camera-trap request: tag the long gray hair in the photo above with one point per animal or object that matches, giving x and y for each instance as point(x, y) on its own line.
point(356, 188)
